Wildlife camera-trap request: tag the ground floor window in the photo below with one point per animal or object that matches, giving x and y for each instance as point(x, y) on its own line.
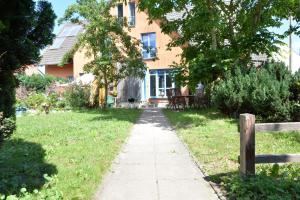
point(160, 81)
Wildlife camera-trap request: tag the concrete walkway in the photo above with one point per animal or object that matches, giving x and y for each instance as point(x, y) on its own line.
point(154, 165)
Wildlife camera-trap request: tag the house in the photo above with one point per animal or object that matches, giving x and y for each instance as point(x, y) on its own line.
point(63, 43)
point(157, 79)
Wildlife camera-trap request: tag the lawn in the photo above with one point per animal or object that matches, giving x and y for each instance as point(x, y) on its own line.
point(75, 149)
point(214, 141)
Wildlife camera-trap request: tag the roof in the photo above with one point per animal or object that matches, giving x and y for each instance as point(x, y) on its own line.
point(63, 43)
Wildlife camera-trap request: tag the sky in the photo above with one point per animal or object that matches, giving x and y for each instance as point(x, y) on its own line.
point(60, 6)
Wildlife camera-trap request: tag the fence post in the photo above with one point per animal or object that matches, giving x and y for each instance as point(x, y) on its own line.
point(247, 144)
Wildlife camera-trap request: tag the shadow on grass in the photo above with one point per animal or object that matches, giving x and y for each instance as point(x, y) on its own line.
point(22, 165)
point(196, 117)
point(119, 114)
point(269, 183)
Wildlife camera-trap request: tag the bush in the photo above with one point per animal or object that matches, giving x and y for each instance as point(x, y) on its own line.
point(295, 112)
point(77, 96)
point(7, 127)
point(35, 100)
point(37, 82)
point(263, 92)
point(295, 87)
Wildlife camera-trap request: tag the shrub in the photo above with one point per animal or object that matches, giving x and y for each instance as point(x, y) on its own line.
point(7, 127)
point(295, 112)
point(295, 87)
point(77, 96)
point(37, 82)
point(263, 92)
point(35, 100)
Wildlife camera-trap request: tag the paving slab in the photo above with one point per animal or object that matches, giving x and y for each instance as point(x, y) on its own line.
point(154, 165)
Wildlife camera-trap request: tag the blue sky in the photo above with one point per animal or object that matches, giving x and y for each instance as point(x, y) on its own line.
point(60, 6)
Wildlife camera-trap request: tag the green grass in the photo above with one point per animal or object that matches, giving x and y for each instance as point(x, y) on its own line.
point(75, 147)
point(214, 141)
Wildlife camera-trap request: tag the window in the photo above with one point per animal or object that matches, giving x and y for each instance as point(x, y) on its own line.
point(131, 19)
point(160, 81)
point(153, 86)
point(70, 78)
point(149, 45)
point(120, 12)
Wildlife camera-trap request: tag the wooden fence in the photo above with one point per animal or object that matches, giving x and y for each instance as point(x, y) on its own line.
point(248, 128)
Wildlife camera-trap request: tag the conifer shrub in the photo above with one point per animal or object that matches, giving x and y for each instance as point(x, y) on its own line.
point(264, 92)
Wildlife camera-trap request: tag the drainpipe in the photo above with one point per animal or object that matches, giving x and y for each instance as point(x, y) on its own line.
point(290, 46)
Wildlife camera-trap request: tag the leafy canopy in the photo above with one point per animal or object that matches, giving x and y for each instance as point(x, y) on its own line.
point(219, 34)
point(26, 27)
point(114, 54)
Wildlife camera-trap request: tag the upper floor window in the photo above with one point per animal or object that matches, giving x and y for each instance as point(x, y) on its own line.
point(120, 12)
point(131, 18)
point(149, 45)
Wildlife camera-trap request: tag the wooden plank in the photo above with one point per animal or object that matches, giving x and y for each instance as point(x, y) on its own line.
point(272, 158)
point(247, 144)
point(291, 126)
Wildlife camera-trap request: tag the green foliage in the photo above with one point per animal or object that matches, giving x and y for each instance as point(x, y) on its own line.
point(295, 87)
point(25, 27)
point(77, 96)
point(7, 101)
point(270, 183)
point(35, 100)
point(222, 34)
point(7, 93)
point(263, 92)
point(296, 112)
point(37, 82)
point(7, 127)
point(49, 192)
point(114, 53)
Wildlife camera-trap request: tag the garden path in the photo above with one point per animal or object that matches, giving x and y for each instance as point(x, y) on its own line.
point(154, 165)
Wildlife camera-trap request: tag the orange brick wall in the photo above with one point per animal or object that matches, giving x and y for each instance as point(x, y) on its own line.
point(165, 57)
point(61, 72)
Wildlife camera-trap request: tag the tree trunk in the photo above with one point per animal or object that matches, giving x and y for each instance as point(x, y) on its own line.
point(106, 92)
point(213, 30)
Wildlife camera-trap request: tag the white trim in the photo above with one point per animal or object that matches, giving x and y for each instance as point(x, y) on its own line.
point(166, 72)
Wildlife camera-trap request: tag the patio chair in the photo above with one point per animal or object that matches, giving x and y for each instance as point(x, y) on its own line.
point(171, 103)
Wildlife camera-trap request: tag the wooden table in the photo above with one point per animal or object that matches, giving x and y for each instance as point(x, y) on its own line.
point(183, 100)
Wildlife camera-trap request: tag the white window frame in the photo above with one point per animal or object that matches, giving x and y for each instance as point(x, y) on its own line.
point(157, 88)
point(130, 17)
point(149, 43)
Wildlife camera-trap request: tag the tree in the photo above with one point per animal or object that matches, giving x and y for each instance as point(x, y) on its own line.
point(114, 54)
point(218, 35)
point(25, 28)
